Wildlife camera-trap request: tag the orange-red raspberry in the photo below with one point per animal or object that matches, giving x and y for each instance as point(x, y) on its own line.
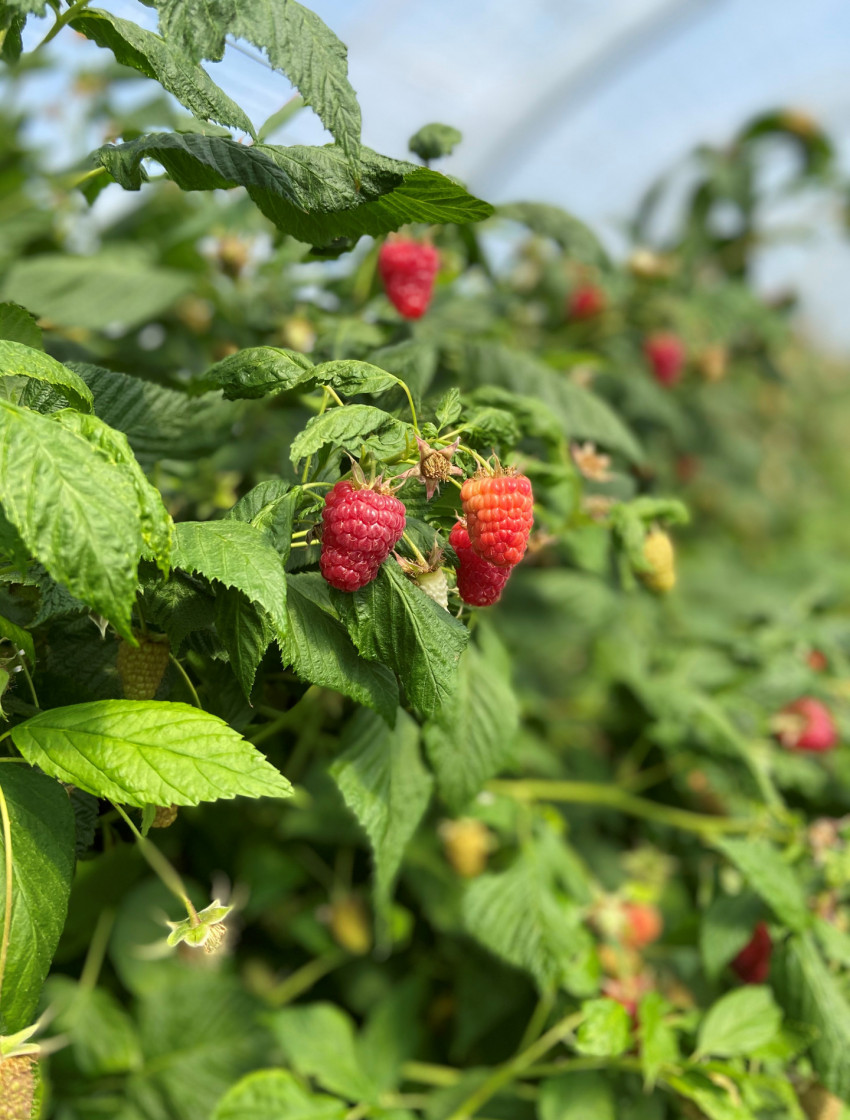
point(408, 269)
point(499, 516)
point(479, 583)
point(361, 528)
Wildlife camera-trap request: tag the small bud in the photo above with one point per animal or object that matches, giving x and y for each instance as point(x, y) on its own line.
point(165, 816)
point(205, 930)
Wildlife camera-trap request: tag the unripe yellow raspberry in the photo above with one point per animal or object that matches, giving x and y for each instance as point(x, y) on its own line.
point(17, 1087)
point(467, 844)
point(350, 925)
point(659, 554)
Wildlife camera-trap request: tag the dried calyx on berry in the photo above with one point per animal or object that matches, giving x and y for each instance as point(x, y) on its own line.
point(499, 508)
point(362, 523)
point(408, 269)
point(435, 466)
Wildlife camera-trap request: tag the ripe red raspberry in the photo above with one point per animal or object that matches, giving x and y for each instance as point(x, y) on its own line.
point(408, 269)
point(585, 302)
point(362, 525)
point(643, 924)
point(141, 669)
point(665, 353)
point(752, 964)
point(807, 725)
point(479, 583)
point(499, 516)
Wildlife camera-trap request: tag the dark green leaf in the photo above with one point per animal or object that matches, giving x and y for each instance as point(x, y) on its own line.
point(577, 1096)
point(19, 325)
point(258, 371)
point(268, 1093)
point(771, 877)
point(349, 428)
point(318, 1041)
point(434, 140)
point(350, 377)
point(246, 633)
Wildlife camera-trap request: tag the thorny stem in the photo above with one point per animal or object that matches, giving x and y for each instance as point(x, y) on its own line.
point(513, 1068)
point(593, 793)
point(193, 691)
point(7, 913)
point(160, 866)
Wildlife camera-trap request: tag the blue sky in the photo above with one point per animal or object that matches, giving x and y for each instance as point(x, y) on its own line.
point(578, 102)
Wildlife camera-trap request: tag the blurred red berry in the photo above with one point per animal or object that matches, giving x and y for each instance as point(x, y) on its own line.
point(807, 725)
point(643, 924)
point(586, 302)
point(817, 661)
point(408, 269)
point(752, 964)
point(665, 353)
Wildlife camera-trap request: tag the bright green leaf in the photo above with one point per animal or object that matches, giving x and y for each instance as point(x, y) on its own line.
point(276, 1092)
point(605, 1031)
point(739, 1022)
point(258, 371)
point(318, 1041)
point(771, 877)
point(17, 360)
point(348, 428)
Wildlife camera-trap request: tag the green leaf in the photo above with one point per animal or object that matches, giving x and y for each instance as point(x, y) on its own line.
point(350, 377)
point(76, 511)
point(658, 1045)
point(147, 752)
point(257, 371)
point(153, 57)
point(270, 507)
point(387, 788)
point(109, 289)
point(606, 1029)
point(522, 917)
point(246, 633)
point(20, 639)
point(276, 1092)
point(583, 415)
point(308, 193)
point(577, 1096)
point(715, 1101)
point(155, 520)
point(321, 652)
point(808, 992)
point(394, 622)
point(238, 555)
point(42, 830)
point(318, 1041)
point(17, 360)
point(739, 1023)
point(348, 428)
point(771, 877)
point(573, 236)
point(434, 140)
point(305, 49)
point(726, 927)
point(102, 1035)
point(392, 1033)
point(471, 737)
point(19, 325)
point(196, 27)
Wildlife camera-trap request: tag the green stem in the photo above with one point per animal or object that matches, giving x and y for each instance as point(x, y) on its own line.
point(592, 793)
point(426, 1073)
point(62, 21)
point(538, 1019)
point(160, 865)
point(28, 679)
point(97, 951)
point(7, 913)
point(195, 698)
point(478, 459)
point(410, 403)
point(412, 546)
point(304, 979)
point(308, 462)
point(513, 1068)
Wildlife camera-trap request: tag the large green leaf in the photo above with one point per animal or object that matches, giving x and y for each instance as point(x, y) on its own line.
point(351, 377)
point(321, 652)
point(101, 1034)
point(581, 414)
point(771, 877)
point(74, 509)
point(577, 1096)
point(246, 633)
point(392, 621)
point(147, 752)
point(19, 325)
point(257, 371)
point(42, 829)
point(471, 737)
point(348, 428)
point(110, 289)
point(739, 1023)
point(17, 360)
point(276, 1092)
point(153, 57)
point(385, 784)
point(318, 1041)
point(271, 507)
point(238, 555)
point(308, 193)
point(155, 520)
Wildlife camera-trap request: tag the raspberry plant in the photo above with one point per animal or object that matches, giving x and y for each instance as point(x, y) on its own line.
point(306, 807)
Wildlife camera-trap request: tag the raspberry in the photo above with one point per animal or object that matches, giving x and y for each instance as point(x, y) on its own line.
point(817, 661)
point(17, 1087)
point(806, 725)
point(479, 583)
point(165, 816)
point(499, 516)
point(659, 554)
point(752, 964)
point(362, 525)
point(665, 353)
point(435, 587)
point(141, 670)
point(408, 269)
point(628, 991)
point(467, 844)
point(819, 1104)
point(643, 924)
point(585, 302)
point(713, 362)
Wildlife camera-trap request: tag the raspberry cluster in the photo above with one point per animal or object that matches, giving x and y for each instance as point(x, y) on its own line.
point(362, 525)
point(408, 269)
